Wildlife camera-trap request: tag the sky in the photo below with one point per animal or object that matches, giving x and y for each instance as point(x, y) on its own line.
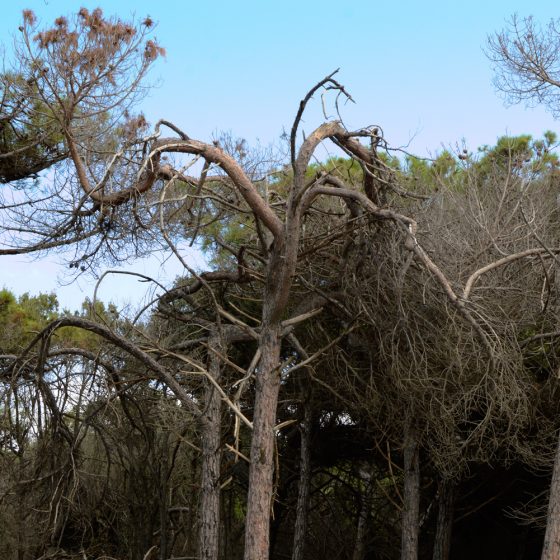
point(417, 69)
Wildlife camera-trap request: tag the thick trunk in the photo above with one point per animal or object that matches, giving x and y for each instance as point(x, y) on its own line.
point(300, 529)
point(551, 547)
point(410, 514)
point(259, 500)
point(442, 541)
point(209, 515)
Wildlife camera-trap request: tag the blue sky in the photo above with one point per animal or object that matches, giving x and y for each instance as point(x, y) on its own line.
point(415, 68)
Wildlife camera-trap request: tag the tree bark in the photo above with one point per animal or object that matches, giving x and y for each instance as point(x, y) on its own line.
point(259, 501)
point(411, 509)
point(209, 516)
point(361, 531)
point(442, 541)
point(164, 497)
point(20, 511)
point(551, 547)
point(300, 529)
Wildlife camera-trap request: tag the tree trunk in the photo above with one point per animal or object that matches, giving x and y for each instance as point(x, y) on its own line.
point(551, 547)
point(211, 421)
point(442, 541)
point(259, 500)
point(164, 496)
point(300, 529)
point(20, 510)
point(365, 506)
point(410, 514)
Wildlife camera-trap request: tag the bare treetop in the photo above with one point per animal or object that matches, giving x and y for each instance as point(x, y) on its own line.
point(527, 62)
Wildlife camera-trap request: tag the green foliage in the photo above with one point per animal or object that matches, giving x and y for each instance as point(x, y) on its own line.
point(30, 137)
point(427, 175)
point(520, 154)
point(21, 318)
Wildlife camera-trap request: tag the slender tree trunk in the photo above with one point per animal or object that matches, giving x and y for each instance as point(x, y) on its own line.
point(300, 529)
point(259, 500)
point(365, 506)
point(20, 511)
point(411, 509)
point(442, 541)
point(209, 515)
point(164, 497)
point(551, 547)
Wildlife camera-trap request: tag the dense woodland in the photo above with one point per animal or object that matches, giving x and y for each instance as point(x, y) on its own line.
point(369, 368)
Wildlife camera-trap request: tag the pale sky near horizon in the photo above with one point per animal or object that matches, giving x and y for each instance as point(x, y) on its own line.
point(415, 68)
